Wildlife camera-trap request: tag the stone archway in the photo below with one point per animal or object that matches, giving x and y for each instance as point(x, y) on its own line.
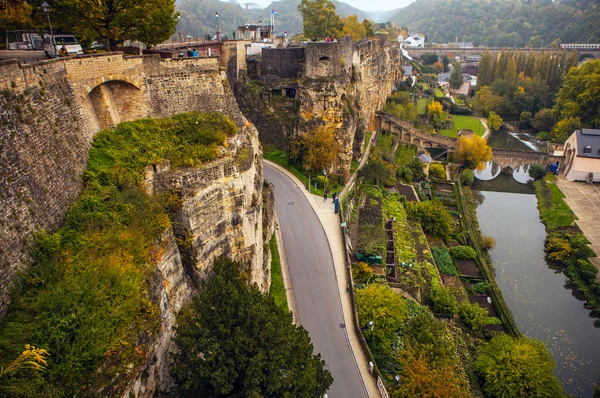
point(116, 101)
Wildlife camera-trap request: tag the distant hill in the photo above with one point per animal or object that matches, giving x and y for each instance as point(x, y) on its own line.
point(504, 23)
point(198, 16)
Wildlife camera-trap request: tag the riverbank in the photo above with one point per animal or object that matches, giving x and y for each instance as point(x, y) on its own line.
point(566, 244)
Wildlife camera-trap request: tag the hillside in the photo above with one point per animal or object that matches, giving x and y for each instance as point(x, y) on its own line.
point(198, 16)
point(503, 23)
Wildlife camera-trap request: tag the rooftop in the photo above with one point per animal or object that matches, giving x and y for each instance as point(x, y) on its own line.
point(588, 143)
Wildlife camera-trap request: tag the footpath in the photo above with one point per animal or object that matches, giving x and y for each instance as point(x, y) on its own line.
point(331, 225)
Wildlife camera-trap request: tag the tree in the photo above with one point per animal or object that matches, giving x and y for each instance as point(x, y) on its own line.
point(486, 101)
point(354, 28)
point(319, 19)
point(536, 171)
point(476, 317)
point(467, 177)
point(517, 367)
point(494, 121)
point(456, 77)
point(375, 171)
point(473, 152)
point(525, 120)
point(320, 149)
point(429, 58)
point(435, 111)
point(148, 21)
point(433, 216)
point(564, 128)
point(579, 96)
point(485, 75)
point(385, 308)
point(543, 120)
point(234, 340)
point(439, 67)
point(368, 25)
point(437, 170)
point(442, 301)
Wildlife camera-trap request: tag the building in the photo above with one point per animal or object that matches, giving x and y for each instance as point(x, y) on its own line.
point(256, 33)
point(468, 81)
point(415, 41)
point(582, 156)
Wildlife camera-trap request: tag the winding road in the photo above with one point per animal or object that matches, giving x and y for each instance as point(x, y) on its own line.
point(315, 284)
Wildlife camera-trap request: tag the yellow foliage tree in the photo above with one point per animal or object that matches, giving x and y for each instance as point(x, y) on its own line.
point(354, 28)
point(473, 152)
point(436, 113)
point(494, 121)
point(321, 148)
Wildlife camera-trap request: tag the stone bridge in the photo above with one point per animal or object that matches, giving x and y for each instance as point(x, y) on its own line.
point(465, 52)
point(507, 159)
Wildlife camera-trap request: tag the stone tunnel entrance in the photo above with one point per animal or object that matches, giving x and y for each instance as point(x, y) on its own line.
point(116, 101)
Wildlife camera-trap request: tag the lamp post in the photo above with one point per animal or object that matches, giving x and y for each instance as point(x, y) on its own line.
point(259, 31)
point(46, 9)
point(218, 32)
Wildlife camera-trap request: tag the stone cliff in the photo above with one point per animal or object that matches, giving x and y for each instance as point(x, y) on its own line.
point(339, 84)
point(49, 113)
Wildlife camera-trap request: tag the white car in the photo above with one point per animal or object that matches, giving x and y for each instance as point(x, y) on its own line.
point(69, 41)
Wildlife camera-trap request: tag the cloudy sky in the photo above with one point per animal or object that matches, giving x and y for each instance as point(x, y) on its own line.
point(364, 5)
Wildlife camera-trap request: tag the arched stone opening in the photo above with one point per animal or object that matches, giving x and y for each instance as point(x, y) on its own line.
point(116, 101)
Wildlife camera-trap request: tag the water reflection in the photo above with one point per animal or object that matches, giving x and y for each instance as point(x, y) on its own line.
point(489, 172)
point(543, 302)
point(521, 174)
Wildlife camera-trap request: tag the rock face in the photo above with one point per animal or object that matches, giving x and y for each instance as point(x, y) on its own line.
point(340, 84)
point(49, 113)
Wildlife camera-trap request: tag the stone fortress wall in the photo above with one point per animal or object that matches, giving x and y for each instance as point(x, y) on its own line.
point(49, 114)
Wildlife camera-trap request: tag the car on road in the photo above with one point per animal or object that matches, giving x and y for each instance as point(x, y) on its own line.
point(69, 41)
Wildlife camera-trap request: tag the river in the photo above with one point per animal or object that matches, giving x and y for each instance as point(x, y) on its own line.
point(542, 301)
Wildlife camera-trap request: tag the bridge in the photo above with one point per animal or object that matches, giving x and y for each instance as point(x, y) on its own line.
point(465, 52)
point(507, 159)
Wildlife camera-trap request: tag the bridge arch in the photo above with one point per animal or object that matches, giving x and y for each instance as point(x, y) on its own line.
point(87, 88)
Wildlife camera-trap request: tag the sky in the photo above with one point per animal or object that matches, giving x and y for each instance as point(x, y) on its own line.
point(370, 5)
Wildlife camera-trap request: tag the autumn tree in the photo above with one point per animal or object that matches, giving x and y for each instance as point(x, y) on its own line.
point(473, 152)
point(456, 77)
point(579, 96)
point(517, 367)
point(14, 14)
point(319, 18)
point(234, 340)
point(354, 28)
point(436, 113)
point(368, 26)
point(320, 149)
point(486, 101)
point(494, 121)
point(564, 128)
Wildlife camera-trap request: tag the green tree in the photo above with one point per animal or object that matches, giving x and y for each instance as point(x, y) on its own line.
point(517, 367)
point(319, 19)
point(379, 304)
point(543, 120)
point(456, 77)
point(473, 152)
point(485, 75)
point(525, 120)
point(494, 121)
point(564, 128)
point(467, 177)
point(234, 340)
point(368, 25)
point(476, 317)
point(354, 28)
point(375, 170)
point(536, 171)
point(442, 301)
point(579, 96)
point(149, 21)
point(433, 216)
point(486, 101)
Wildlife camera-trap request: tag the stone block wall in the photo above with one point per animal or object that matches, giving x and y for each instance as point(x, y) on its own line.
point(281, 63)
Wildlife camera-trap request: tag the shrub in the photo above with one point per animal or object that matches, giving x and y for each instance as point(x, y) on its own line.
point(476, 317)
point(437, 170)
point(463, 253)
point(481, 288)
point(442, 301)
point(444, 261)
point(487, 242)
point(362, 272)
point(467, 177)
point(536, 171)
point(433, 216)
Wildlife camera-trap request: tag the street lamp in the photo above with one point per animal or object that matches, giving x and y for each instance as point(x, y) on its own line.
point(218, 33)
point(46, 9)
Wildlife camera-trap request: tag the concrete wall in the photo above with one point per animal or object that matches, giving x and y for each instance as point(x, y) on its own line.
point(281, 63)
point(328, 60)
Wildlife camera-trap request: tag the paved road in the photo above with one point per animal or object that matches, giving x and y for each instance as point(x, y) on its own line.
point(314, 283)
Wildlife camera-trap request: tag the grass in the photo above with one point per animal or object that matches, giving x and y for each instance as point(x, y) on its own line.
point(422, 105)
point(438, 92)
point(85, 298)
point(463, 122)
point(554, 211)
point(277, 290)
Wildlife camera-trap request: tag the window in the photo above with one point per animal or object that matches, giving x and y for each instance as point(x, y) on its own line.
point(587, 149)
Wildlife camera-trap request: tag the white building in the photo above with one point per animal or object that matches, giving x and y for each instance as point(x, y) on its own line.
point(415, 41)
point(582, 156)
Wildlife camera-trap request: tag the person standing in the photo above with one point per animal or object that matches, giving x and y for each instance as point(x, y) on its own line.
point(333, 196)
point(325, 195)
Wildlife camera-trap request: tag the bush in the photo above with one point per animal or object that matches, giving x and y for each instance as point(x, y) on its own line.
point(467, 177)
point(437, 170)
point(433, 216)
point(481, 288)
point(543, 136)
point(463, 253)
point(487, 242)
point(536, 171)
point(442, 301)
point(525, 120)
point(476, 317)
point(362, 272)
point(444, 261)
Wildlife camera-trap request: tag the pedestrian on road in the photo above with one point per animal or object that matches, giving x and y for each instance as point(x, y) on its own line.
point(325, 195)
point(333, 196)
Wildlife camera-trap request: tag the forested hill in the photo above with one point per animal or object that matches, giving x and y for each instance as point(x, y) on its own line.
point(503, 23)
point(198, 16)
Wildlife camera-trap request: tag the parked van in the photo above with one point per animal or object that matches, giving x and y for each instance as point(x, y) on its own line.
point(69, 41)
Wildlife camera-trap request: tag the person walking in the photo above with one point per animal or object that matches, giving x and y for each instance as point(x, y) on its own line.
point(333, 196)
point(325, 194)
